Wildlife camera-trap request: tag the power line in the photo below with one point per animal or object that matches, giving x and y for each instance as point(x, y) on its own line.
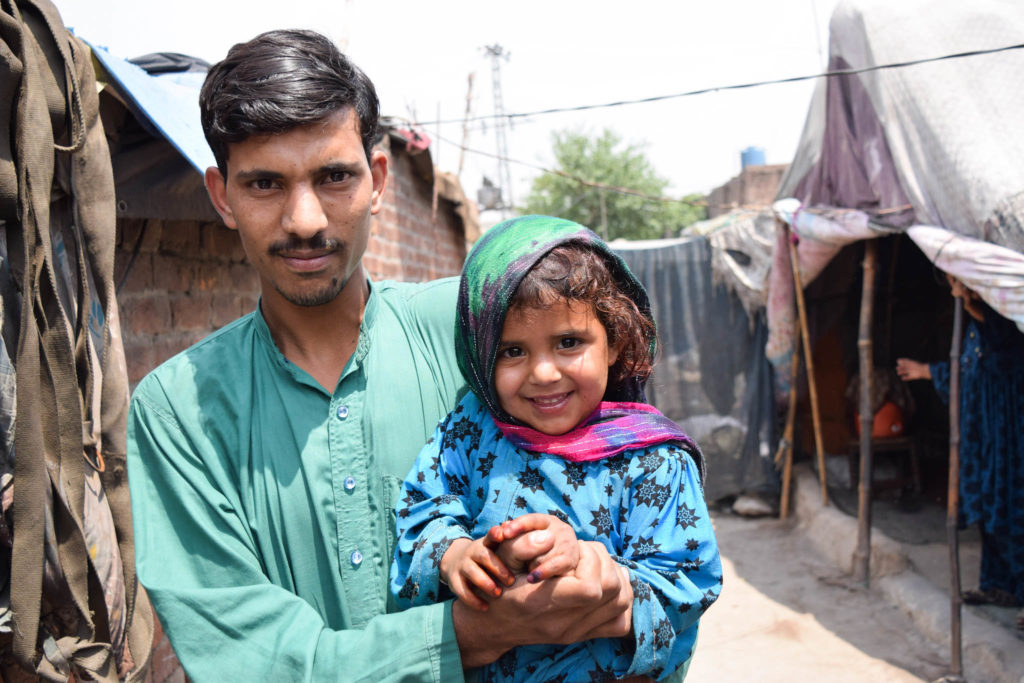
point(723, 88)
point(582, 181)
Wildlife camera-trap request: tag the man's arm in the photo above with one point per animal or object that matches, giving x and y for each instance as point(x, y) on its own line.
point(196, 556)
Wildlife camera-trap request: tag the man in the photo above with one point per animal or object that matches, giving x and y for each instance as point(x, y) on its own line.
point(265, 460)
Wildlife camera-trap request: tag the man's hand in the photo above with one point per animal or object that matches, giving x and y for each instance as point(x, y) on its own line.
point(594, 601)
point(468, 566)
point(542, 544)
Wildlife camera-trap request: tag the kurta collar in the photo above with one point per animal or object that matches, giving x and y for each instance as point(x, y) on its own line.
point(362, 346)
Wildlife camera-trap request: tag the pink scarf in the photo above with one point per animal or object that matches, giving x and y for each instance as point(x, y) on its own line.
point(612, 428)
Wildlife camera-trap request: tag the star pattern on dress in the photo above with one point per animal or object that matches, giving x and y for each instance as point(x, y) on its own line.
point(410, 589)
point(599, 673)
point(457, 484)
point(609, 490)
point(507, 663)
point(641, 591)
point(664, 634)
point(486, 463)
point(521, 503)
point(707, 600)
point(644, 547)
point(532, 479)
point(687, 516)
point(694, 565)
point(618, 464)
point(651, 461)
point(463, 428)
point(561, 515)
point(602, 521)
point(651, 493)
point(575, 475)
point(497, 492)
point(437, 551)
point(692, 544)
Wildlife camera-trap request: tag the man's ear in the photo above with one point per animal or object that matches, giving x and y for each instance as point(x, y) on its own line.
point(379, 174)
point(218, 191)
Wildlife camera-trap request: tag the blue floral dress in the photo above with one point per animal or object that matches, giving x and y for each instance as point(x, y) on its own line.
point(646, 506)
point(992, 445)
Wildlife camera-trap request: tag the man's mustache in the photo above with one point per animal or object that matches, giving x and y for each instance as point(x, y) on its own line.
point(314, 243)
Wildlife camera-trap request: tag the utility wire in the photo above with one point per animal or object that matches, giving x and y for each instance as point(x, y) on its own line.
point(722, 88)
point(578, 179)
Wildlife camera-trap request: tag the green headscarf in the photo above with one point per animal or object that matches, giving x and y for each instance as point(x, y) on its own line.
point(494, 268)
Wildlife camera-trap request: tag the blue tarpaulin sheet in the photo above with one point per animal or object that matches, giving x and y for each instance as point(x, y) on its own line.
point(166, 103)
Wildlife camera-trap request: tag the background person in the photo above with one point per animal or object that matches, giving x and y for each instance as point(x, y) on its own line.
point(991, 444)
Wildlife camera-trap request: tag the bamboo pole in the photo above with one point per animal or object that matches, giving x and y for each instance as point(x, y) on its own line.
point(786, 445)
point(809, 364)
point(862, 553)
point(953, 492)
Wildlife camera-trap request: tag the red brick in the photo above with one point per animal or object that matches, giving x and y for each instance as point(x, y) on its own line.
point(244, 279)
point(146, 314)
point(172, 273)
point(180, 238)
point(191, 312)
point(210, 277)
point(225, 308)
point(138, 278)
point(139, 359)
point(221, 243)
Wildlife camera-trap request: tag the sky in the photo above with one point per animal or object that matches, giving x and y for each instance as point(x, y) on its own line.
point(561, 53)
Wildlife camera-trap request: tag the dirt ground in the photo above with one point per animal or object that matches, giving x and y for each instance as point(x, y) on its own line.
point(787, 615)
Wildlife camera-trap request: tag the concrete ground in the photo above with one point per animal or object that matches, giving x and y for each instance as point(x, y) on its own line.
point(912, 577)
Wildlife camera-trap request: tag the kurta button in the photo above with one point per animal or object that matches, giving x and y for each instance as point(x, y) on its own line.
point(356, 557)
point(342, 412)
point(350, 483)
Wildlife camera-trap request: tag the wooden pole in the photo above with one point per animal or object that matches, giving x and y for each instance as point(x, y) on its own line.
point(786, 445)
point(865, 348)
point(953, 492)
point(809, 364)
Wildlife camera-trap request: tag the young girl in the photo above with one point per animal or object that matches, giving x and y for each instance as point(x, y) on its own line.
point(556, 340)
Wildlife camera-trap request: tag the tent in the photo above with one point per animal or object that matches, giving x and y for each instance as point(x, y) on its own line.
point(918, 140)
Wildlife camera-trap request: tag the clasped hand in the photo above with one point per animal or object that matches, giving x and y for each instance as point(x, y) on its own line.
point(537, 545)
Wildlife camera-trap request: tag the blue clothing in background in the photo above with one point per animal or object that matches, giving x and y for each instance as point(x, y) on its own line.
point(646, 506)
point(992, 445)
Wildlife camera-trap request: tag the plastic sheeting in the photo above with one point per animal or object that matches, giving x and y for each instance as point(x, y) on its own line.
point(711, 376)
point(942, 139)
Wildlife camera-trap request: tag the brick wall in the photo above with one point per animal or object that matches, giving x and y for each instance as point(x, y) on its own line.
point(754, 187)
point(181, 280)
point(189, 278)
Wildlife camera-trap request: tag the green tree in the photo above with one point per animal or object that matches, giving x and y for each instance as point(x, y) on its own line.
point(605, 160)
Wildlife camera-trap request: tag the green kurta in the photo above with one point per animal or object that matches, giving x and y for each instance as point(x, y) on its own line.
point(264, 506)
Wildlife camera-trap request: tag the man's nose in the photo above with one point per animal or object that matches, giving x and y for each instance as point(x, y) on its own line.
point(303, 213)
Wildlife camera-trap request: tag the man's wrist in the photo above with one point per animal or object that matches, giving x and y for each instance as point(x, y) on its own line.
point(479, 643)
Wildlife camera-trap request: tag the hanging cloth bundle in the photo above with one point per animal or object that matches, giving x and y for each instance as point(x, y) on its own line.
point(74, 601)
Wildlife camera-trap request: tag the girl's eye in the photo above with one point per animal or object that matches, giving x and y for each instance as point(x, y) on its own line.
point(511, 352)
point(568, 343)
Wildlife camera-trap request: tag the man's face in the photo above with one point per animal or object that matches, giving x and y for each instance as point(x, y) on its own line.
point(301, 202)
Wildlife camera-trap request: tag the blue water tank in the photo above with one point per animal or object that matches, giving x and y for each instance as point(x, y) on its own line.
point(752, 156)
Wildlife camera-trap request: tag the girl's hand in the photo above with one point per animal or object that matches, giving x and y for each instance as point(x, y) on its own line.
point(470, 566)
point(543, 544)
point(909, 370)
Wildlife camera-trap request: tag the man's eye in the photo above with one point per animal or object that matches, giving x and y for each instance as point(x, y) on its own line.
point(263, 184)
point(338, 176)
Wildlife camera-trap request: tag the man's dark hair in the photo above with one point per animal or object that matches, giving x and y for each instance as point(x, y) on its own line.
point(278, 81)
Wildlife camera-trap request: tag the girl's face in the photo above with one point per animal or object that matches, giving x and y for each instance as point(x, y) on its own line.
point(552, 367)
